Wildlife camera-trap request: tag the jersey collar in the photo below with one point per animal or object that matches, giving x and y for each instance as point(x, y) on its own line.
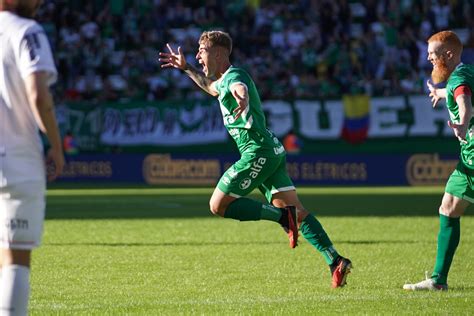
point(224, 74)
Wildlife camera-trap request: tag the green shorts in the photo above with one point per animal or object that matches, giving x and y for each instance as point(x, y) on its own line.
point(460, 184)
point(251, 171)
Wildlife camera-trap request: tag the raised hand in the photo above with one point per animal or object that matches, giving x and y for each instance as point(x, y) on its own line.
point(435, 96)
point(173, 59)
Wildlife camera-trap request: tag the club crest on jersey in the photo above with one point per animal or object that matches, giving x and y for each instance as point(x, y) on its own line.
point(245, 183)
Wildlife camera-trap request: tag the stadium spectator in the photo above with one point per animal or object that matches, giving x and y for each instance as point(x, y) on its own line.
point(113, 43)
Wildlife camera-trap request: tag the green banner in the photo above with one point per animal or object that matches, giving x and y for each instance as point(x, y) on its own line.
point(394, 124)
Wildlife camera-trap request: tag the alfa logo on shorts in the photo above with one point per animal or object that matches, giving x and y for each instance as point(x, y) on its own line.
point(245, 183)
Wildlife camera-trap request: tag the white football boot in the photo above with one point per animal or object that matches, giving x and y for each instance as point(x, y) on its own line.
point(426, 285)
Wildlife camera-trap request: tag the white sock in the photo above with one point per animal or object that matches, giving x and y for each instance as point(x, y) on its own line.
point(14, 290)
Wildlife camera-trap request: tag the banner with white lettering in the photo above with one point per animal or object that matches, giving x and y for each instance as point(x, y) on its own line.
point(354, 119)
point(169, 124)
point(390, 117)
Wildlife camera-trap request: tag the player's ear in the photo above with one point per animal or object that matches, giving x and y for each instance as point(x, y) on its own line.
point(449, 54)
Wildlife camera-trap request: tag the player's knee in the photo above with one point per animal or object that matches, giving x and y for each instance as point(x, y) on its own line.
point(444, 209)
point(17, 257)
point(449, 209)
point(216, 208)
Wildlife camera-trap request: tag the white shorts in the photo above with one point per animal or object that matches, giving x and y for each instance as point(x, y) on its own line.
point(22, 209)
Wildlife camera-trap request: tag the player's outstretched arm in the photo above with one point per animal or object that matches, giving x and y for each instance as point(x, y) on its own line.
point(178, 60)
point(41, 103)
point(435, 93)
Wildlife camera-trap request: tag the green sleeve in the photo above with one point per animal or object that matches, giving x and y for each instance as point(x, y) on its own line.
point(458, 79)
point(236, 77)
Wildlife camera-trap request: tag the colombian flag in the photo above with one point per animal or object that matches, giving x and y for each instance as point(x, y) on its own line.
point(356, 118)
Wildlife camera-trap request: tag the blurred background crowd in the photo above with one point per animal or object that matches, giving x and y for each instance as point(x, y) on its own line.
point(304, 49)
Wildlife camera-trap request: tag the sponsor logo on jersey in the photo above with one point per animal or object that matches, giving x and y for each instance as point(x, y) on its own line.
point(33, 44)
point(233, 173)
point(228, 119)
point(226, 180)
point(257, 166)
point(278, 150)
point(234, 132)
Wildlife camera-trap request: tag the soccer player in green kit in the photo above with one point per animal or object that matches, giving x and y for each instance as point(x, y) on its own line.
point(263, 159)
point(444, 52)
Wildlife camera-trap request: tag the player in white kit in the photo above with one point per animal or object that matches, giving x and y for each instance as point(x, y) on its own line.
point(26, 71)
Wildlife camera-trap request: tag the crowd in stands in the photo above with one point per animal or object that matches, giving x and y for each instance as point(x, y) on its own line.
point(305, 49)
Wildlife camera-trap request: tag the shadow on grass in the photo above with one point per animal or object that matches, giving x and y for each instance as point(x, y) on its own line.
point(189, 206)
point(218, 243)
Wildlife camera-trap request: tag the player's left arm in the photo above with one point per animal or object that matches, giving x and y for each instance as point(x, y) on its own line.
point(241, 95)
point(36, 65)
point(42, 106)
point(463, 98)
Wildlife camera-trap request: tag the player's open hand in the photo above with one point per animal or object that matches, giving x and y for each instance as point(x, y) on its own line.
point(173, 59)
point(460, 131)
point(435, 97)
point(55, 158)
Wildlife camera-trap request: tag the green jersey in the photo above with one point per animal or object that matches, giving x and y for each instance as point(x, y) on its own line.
point(249, 131)
point(462, 75)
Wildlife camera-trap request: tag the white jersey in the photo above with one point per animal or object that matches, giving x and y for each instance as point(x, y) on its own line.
point(24, 49)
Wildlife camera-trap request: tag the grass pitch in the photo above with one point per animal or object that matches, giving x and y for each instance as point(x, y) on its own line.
point(160, 252)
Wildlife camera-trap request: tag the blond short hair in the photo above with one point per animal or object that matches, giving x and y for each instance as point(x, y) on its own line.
point(216, 38)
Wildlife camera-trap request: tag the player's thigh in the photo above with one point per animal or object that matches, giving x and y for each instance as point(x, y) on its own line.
point(453, 206)
point(279, 182)
point(459, 193)
point(22, 208)
point(248, 173)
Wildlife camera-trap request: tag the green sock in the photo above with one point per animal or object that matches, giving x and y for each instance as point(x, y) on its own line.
point(245, 209)
point(271, 213)
point(448, 240)
point(316, 236)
